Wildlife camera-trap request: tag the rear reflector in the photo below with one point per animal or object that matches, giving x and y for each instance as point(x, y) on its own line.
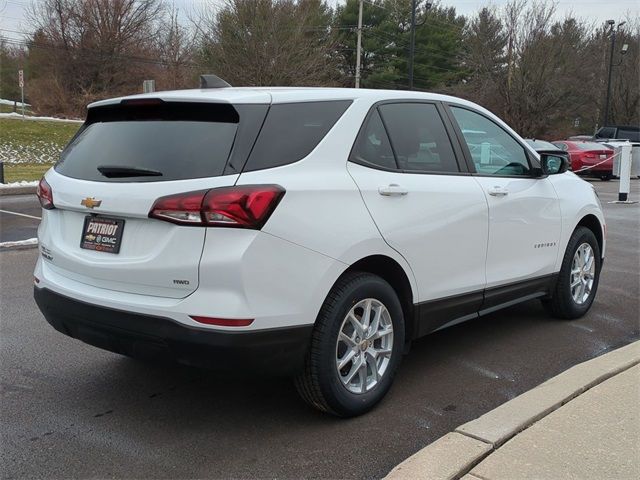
point(243, 206)
point(45, 194)
point(224, 322)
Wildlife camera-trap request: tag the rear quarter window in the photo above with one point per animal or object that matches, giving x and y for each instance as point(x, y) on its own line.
point(291, 131)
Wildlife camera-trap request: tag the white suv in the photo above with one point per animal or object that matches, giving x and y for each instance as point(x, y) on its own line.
point(303, 231)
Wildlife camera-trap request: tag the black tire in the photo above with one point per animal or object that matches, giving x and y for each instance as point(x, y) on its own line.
point(561, 304)
point(606, 177)
point(319, 384)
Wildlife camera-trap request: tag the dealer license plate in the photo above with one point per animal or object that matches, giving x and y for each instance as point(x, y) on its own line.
point(102, 234)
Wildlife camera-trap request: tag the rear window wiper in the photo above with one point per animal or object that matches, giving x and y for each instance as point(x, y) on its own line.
point(118, 171)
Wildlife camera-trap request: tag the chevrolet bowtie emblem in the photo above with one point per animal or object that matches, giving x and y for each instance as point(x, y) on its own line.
point(90, 202)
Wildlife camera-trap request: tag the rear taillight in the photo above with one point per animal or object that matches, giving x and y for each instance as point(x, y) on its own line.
point(243, 206)
point(45, 195)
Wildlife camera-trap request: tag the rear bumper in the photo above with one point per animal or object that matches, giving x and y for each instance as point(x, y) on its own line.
point(599, 168)
point(276, 351)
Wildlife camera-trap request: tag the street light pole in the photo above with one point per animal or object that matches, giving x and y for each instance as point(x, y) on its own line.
point(608, 98)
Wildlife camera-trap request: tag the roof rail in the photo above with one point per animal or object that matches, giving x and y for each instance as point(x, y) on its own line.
point(212, 81)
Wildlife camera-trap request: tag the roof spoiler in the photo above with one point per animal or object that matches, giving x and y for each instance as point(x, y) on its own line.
point(212, 81)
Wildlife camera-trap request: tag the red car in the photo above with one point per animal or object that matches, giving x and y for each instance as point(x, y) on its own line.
point(588, 158)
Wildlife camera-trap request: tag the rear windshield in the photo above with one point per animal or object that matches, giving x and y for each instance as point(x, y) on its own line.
point(625, 134)
point(158, 142)
point(541, 145)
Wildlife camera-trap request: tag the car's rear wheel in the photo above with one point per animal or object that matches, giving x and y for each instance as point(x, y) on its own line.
point(578, 279)
point(605, 177)
point(356, 346)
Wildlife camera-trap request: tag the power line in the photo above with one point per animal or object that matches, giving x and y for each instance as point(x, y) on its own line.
point(441, 23)
point(419, 64)
point(428, 49)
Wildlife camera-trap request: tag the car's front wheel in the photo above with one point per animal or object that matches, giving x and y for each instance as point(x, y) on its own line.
point(356, 346)
point(578, 279)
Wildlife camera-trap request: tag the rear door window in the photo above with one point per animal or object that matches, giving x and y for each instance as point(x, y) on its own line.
point(158, 142)
point(419, 138)
point(292, 130)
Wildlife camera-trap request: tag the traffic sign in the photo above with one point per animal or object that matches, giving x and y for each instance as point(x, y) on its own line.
point(21, 78)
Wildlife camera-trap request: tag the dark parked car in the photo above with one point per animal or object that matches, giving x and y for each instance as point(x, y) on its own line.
point(618, 132)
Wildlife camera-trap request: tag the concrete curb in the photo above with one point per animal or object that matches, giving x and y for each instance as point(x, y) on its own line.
point(455, 454)
point(17, 191)
point(444, 458)
point(4, 248)
point(19, 245)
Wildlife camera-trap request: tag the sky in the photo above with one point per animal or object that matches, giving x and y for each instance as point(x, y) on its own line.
point(13, 21)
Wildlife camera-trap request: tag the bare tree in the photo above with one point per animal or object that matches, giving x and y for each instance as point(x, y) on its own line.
point(531, 69)
point(625, 105)
point(85, 49)
point(176, 48)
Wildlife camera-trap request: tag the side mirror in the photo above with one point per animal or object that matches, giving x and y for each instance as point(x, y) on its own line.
point(553, 163)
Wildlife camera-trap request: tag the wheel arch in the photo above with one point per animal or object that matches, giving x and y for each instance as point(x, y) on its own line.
point(592, 222)
point(394, 274)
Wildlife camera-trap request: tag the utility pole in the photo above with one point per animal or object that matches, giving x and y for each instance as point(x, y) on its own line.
point(613, 31)
point(359, 47)
point(412, 45)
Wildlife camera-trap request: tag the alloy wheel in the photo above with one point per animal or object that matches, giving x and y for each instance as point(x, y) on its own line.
point(583, 269)
point(364, 346)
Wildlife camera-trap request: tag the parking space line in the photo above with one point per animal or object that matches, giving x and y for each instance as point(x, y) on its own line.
point(21, 214)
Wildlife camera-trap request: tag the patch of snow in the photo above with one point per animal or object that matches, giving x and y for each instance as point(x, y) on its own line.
point(19, 243)
point(39, 151)
point(21, 183)
point(4, 101)
point(19, 116)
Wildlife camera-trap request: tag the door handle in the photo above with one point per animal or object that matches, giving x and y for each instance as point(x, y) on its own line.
point(393, 190)
point(498, 191)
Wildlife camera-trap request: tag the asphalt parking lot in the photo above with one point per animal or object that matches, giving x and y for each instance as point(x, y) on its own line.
point(70, 410)
point(19, 217)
